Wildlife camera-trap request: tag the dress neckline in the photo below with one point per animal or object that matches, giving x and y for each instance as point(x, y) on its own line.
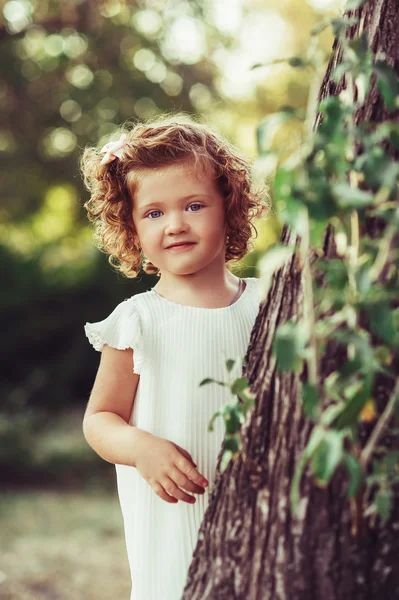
point(229, 307)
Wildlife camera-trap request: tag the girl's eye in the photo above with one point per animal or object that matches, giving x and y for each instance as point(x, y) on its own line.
point(158, 211)
point(196, 204)
point(152, 212)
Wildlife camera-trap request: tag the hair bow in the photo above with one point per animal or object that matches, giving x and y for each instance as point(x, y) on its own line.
point(113, 150)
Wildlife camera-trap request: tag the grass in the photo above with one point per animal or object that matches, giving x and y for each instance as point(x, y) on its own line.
point(62, 546)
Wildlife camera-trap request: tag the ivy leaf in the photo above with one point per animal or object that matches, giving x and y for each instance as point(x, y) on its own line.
point(388, 84)
point(383, 503)
point(327, 456)
point(227, 456)
point(241, 389)
point(333, 109)
point(231, 418)
point(213, 419)
point(314, 440)
point(382, 321)
point(340, 25)
point(269, 126)
point(354, 404)
point(208, 380)
point(230, 364)
point(273, 259)
point(349, 197)
point(310, 400)
point(231, 443)
point(289, 345)
point(388, 130)
point(317, 232)
point(205, 381)
point(391, 462)
point(355, 473)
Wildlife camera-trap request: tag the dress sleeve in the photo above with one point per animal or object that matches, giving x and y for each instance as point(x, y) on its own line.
point(120, 330)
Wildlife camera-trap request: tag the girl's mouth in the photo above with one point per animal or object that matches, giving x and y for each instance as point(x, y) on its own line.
point(181, 247)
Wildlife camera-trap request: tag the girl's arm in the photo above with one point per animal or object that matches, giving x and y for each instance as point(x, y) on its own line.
point(106, 420)
point(162, 463)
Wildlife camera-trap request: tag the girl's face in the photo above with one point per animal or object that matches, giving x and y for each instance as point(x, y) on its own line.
point(177, 204)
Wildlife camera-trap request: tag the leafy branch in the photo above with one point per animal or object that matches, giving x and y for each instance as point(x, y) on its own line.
point(327, 182)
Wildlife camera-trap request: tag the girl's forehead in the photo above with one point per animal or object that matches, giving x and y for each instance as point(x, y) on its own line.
point(179, 175)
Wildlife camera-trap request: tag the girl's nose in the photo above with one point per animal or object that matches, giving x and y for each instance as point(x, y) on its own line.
point(176, 224)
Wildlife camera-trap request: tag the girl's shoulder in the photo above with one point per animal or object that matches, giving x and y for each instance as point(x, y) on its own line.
point(121, 329)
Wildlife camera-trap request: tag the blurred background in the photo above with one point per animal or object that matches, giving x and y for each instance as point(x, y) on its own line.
point(71, 72)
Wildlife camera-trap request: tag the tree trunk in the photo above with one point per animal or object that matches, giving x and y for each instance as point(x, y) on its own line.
point(250, 546)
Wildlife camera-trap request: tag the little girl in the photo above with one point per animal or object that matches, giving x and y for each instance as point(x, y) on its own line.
point(174, 198)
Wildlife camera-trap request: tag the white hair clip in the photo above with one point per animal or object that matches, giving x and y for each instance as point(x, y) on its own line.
point(113, 150)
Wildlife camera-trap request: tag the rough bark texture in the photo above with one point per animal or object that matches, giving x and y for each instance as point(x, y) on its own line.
point(250, 547)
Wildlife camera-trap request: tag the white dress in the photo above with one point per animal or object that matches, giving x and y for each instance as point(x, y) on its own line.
point(175, 347)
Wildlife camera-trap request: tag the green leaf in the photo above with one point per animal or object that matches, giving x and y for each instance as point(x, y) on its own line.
point(231, 418)
point(337, 24)
point(332, 108)
point(349, 197)
point(310, 400)
point(355, 473)
point(289, 345)
point(272, 260)
point(319, 27)
point(388, 84)
point(340, 25)
point(383, 503)
point(391, 462)
point(213, 419)
point(227, 455)
point(389, 130)
point(327, 456)
point(240, 388)
point(382, 321)
point(298, 61)
point(350, 413)
point(364, 352)
point(314, 440)
point(208, 380)
point(268, 127)
point(317, 232)
point(239, 384)
point(230, 364)
point(231, 443)
point(205, 381)
point(336, 272)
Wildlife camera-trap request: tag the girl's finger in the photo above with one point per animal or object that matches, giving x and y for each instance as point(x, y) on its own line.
point(185, 483)
point(173, 490)
point(191, 472)
point(185, 454)
point(159, 490)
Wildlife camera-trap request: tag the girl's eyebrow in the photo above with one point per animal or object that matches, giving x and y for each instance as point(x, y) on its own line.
point(162, 203)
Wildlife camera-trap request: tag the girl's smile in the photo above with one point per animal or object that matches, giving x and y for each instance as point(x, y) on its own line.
point(181, 247)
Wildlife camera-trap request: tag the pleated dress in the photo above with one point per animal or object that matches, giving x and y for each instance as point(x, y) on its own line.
point(175, 347)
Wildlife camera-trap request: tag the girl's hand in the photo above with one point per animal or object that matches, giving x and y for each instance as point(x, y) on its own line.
point(167, 467)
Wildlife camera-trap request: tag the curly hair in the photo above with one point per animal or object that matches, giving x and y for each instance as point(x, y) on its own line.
point(154, 144)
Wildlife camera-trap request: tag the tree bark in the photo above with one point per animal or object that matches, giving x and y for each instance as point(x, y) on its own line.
point(250, 546)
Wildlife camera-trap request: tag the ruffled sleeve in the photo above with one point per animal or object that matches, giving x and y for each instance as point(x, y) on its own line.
point(120, 330)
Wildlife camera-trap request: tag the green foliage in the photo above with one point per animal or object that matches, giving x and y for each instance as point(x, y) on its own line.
point(232, 414)
point(289, 346)
point(326, 182)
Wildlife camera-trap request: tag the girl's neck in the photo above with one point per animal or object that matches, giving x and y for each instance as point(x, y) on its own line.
point(208, 293)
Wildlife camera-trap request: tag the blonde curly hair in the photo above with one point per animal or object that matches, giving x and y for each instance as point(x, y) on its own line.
point(154, 144)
